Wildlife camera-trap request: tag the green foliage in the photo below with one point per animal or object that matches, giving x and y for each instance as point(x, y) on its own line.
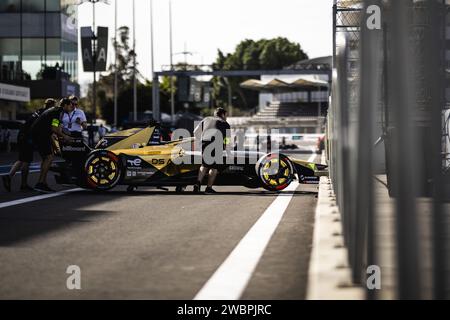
point(263, 54)
point(125, 102)
point(34, 105)
point(105, 86)
point(249, 55)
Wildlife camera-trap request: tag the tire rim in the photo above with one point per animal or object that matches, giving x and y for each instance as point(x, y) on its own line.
point(102, 171)
point(276, 172)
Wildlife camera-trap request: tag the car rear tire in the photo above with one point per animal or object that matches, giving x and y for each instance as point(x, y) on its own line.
point(275, 172)
point(103, 170)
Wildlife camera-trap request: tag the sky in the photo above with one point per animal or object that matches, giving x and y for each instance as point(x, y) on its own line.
point(203, 26)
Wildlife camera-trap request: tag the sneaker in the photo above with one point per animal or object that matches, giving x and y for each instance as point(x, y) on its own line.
point(7, 183)
point(210, 190)
point(197, 188)
point(42, 187)
point(26, 188)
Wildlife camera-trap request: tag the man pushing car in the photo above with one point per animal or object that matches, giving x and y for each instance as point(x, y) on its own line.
point(43, 131)
point(214, 135)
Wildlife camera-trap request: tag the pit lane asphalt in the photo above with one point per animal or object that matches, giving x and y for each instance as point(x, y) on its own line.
point(148, 245)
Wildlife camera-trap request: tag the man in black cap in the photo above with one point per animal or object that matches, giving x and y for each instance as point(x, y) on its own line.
point(26, 149)
point(214, 138)
point(43, 130)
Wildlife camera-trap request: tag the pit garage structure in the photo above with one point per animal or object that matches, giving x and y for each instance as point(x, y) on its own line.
point(312, 69)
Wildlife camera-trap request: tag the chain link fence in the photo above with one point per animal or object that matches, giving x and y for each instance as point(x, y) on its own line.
point(388, 142)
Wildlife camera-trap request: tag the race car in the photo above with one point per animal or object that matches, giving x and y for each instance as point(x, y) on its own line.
point(137, 157)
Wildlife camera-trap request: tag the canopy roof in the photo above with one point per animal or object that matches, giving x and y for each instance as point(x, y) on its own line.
point(298, 84)
point(319, 63)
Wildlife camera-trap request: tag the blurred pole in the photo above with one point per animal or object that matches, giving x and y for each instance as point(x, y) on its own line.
point(340, 159)
point(155, 95)
point(134, 64)
point(370, 97)
point(172, 85)
point(94, 59)
point(152, 57)
point(319, 108)
point(406, 140)
point(230, 99)
point(334, 32)
point(115, 63)
point(435, 59)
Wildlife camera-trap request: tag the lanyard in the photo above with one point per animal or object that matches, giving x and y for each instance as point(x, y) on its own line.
point(71, 117)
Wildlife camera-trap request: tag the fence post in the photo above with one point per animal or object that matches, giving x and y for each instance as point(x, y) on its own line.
point(370, 90)
point(435, 43)
point(405, 146)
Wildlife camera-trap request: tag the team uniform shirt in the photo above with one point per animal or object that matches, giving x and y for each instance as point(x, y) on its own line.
point(25, 137)
point(68, 120)
point(42, 130)
point(48, 119)
point(210, 126)
point(25, 129)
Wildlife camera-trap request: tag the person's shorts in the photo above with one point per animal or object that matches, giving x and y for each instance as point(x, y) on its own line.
point(208, 160)
point(44, 146)
point(26, 150)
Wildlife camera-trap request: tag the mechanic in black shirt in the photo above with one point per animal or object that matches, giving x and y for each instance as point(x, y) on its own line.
point(210, 128)
point(26, 149)
point(43, 131)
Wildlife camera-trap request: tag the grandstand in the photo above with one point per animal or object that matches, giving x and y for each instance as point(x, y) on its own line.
point(296, 103)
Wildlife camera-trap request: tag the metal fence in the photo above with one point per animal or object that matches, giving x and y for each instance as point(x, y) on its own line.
point(387, 142)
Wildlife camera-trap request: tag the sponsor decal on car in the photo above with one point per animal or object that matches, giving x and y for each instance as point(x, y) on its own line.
point(236, 168)
point(134, 163)
point(73, 149)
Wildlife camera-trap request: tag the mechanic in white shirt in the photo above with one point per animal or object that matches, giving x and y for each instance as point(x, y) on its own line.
point(75, 120)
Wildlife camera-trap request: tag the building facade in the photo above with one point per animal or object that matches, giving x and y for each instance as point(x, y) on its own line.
point(39, 46)
point(10, 98)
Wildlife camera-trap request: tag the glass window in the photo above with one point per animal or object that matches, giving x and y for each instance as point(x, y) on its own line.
point(32, 48)
point(53, 5)
point(69, 55)
point(33, 25)
point(10, 25)
point(33, 5)
point(53, 49)
point(33, 57)
point(53, 25)
point(9, 59)
point(53, 55)
point(10, 6)
point(9, 47)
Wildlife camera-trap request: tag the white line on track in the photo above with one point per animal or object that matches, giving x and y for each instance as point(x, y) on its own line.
point(37, 198)
point(231, 278)
point(313, 156)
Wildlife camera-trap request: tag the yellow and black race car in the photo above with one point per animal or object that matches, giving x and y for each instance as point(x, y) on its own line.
point(138, 157)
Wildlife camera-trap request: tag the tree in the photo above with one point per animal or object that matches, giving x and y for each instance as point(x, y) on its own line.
point(263, 54)
point(125, 102)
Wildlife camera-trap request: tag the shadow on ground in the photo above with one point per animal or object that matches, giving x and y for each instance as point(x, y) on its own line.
point(29, 220)
point(21, 223)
